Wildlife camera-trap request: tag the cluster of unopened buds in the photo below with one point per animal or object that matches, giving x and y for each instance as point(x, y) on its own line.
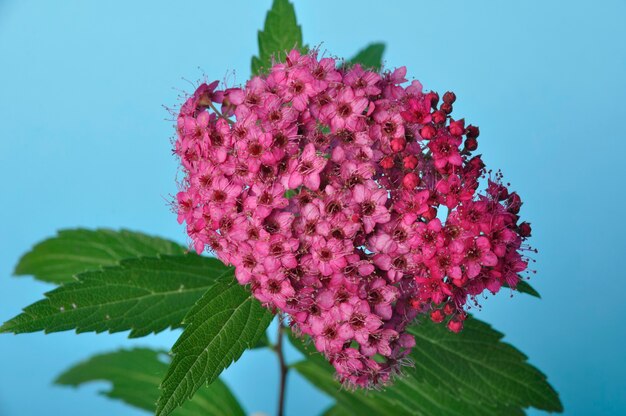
point(349, 203)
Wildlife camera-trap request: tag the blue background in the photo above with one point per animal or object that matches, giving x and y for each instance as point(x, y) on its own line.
point(85, 141)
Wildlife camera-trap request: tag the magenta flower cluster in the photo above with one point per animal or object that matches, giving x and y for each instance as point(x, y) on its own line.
point(349, 202)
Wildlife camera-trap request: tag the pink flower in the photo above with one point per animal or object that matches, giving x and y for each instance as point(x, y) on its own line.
point(379, 342)
point(278, 252)
point(380, 296)
point(362, 82)
point(306, 170)
point(452, 191)
point(372, 206)
point(345, 111)
point(201, 98)
point(276, 290)
point(359, 321)
point(186, 203)
point(429, 237)
point(412, 204)
point(329, 336)
point(445, 151)
point(329, 255)
point(324, 74)
point(264, 199)
point(478, 254)
point(418, 111)
point(299, 86)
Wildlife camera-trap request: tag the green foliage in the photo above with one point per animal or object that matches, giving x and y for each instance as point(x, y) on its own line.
point(280, 34)
point(370, 57)
point(476, 361)
point(135, 375)
point(471, 373)
point(143, 295)
point(219, 328)
point(336, 410)
point(58, 259)
point(524, 287)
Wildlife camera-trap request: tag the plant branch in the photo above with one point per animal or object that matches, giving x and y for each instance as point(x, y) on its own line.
point(219, 114)
point(284, 369)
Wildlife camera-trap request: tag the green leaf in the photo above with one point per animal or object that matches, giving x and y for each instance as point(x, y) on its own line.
point(370, 57)
point(280, 34)
point(58, 259)
point(219, 328)
point(135, 375)
point(524, 287)
point(471, 373)
point(477, 361)
point(336, 411)
point(263, 342)
point(143, 295)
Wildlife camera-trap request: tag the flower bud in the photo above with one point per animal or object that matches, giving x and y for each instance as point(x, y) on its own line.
point(434, 99)
point(437, 316)
point(430, 214)
point(428, 132)
point(439, 117)
point(386, 162)
point(476, 163)
point(455, 326)
point(471, 144)
point(449, 97)
point(457, 127)
point(514, 203)
point(410, 162)
point(472, 132)
point(410, 180)
point(525, 229)
point(398, 144)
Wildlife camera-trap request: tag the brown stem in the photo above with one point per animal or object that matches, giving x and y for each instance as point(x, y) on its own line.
point(219, 114)
point(283, 367)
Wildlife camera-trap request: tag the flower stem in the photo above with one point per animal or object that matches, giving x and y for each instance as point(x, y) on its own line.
point(283, 367)
point(219, 114)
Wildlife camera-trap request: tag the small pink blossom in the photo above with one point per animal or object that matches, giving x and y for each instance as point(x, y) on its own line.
point(306, 170)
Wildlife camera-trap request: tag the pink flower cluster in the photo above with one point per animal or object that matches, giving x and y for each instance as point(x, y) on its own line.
point(349, 202)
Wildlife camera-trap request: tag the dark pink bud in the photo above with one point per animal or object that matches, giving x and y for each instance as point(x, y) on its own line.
point(386, 162)
point(437, 316)
point(472, 132)
point(457, 127)
point(460, 282)
point(449, 97)
point(525, 229)
point(398, 144)
point(428, 132)
point(430, 214)
point(471, 144)
point(476, 163)
point(448, 309)
point(514, 203)
point(439, 117)
point(455, 326)
point(410, 162)
point(446, 108)
point(410, 180)
point(434, 99)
